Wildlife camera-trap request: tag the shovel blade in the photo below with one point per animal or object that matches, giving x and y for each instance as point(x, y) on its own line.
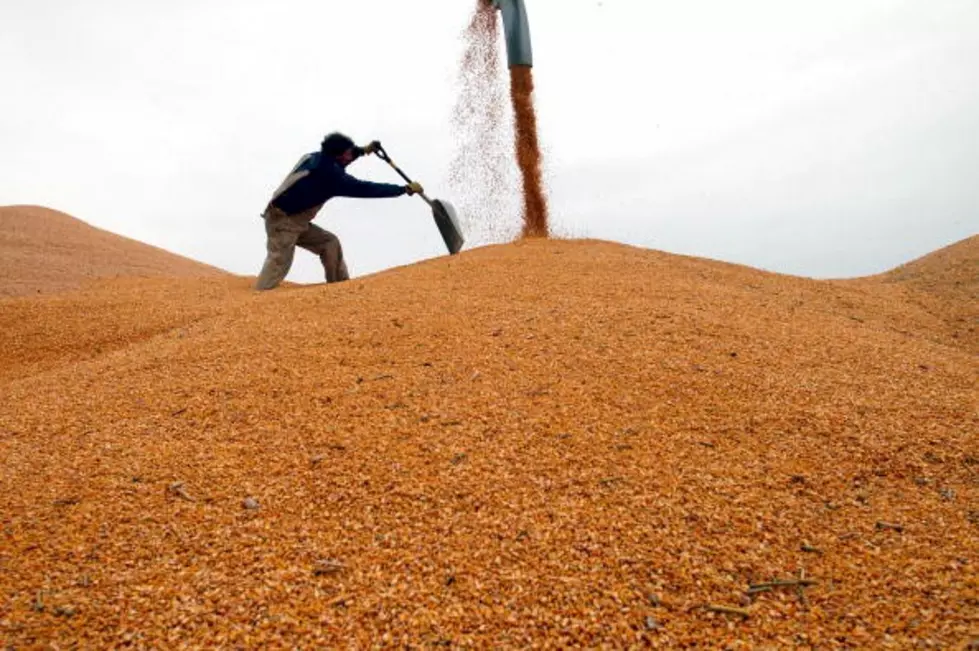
point(448, 225)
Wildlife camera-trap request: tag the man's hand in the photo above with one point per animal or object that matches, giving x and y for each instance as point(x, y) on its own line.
point(414, 188)
point(372, 147)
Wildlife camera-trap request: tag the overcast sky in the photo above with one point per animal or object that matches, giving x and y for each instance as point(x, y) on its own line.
point(826, 139)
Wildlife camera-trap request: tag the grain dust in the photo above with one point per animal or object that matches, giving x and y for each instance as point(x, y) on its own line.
point(481, 172)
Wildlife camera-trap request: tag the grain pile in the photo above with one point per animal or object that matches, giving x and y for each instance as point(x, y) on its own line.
point(44, 332)
point(44, 251)
point(542, 444)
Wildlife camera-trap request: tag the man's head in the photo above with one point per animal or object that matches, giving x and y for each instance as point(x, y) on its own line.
point(339, 147)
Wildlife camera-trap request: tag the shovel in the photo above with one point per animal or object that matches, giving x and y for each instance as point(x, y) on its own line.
point(442, 211)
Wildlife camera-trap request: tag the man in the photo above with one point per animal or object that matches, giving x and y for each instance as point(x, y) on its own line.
point(317, 178)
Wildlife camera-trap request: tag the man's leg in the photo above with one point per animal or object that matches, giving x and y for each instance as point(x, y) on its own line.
point(327, 246)
point(282, 233)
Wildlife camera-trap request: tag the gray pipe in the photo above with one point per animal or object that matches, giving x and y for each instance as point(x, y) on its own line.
point(516, 29)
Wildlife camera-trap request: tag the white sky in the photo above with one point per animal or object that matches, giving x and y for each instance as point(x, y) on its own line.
point(826, 139)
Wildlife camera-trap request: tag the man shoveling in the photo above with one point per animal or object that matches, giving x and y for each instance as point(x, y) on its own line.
point(317, 178)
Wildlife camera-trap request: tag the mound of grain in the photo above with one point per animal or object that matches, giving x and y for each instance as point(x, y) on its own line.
point(943, 285)
point(44, 251)
point(548, 443)
point(951, 270)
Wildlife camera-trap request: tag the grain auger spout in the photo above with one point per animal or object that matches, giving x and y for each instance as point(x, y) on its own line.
point(516, 30)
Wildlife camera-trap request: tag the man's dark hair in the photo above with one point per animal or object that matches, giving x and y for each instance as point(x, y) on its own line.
point(335, 144)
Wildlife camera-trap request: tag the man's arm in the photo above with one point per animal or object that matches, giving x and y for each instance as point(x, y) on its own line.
point(348, 186)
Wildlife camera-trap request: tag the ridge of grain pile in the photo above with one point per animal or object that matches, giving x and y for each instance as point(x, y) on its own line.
point(541, 444)
point(43, 251)
point(942, 286)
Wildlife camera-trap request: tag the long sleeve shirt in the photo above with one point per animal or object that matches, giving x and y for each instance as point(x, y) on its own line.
point(316, 179)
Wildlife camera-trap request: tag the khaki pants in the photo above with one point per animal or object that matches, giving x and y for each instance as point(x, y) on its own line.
point(284, 233)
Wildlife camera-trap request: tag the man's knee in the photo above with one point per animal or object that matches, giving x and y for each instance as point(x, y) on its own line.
point(278, 259)
point(277, 256)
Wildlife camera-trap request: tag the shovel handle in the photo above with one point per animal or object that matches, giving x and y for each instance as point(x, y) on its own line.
point(383, 155)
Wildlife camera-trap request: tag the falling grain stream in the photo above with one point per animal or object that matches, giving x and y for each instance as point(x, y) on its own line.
point(479, 119)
